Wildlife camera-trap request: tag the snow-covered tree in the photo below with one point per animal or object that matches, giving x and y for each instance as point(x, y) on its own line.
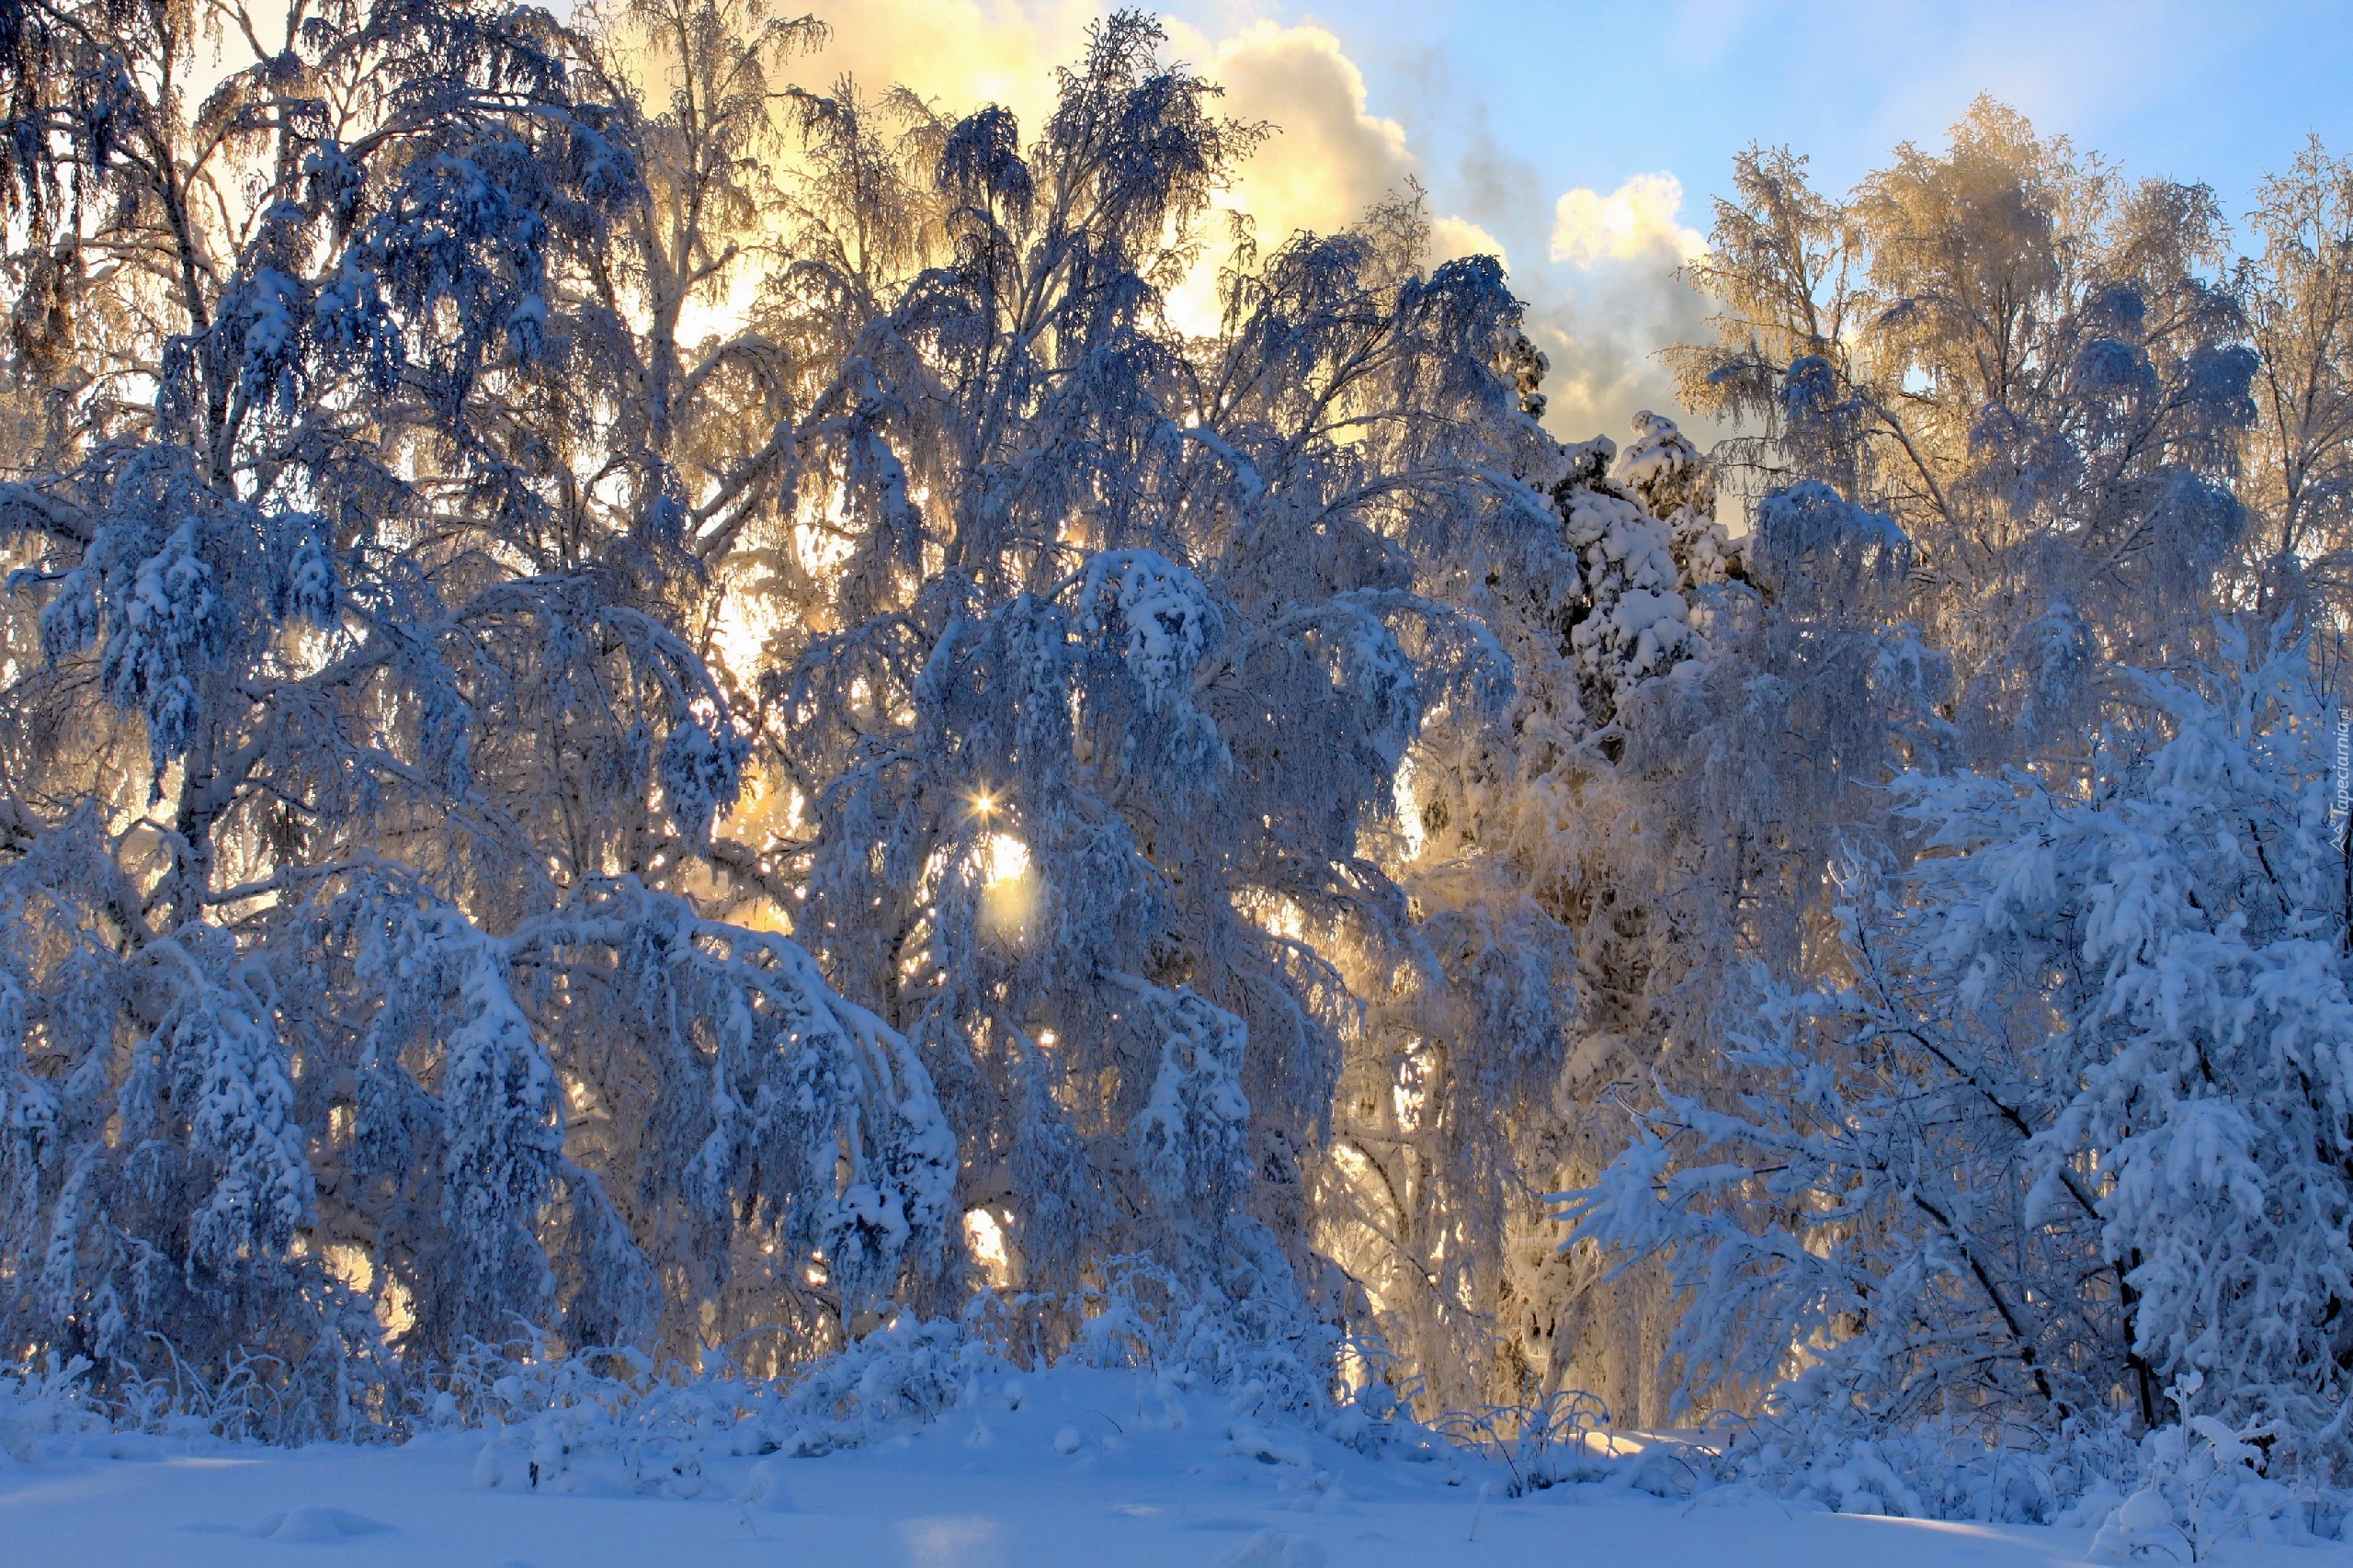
point(2071, 1148)
point(1998, 402)
point(2300, 318)
point(339, 741)
point(1549, 887)
point(1094, 649)
point(2039, 372)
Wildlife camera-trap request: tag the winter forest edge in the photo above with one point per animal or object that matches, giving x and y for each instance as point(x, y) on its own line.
point(660, 735)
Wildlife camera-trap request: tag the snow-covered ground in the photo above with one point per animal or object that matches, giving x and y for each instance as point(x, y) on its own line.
point(1076, 1467)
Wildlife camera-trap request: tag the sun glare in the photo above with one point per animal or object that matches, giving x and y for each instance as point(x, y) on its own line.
point(984, 1238)
point(1008, 886)
point(1009, 860)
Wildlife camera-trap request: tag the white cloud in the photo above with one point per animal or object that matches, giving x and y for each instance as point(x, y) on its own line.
point(1331, 157)
point(1602, 332)
point(1450, 237)
point(1635, 222)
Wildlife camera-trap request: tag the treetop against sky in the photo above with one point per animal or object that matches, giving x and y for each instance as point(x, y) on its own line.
point(1585, 142)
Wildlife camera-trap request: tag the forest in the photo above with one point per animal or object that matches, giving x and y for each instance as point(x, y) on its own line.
point(656, 719)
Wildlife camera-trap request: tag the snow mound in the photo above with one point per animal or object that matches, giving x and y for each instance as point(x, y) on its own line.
point(1273, 1548)
point(766, 1489)
point(312, 1523)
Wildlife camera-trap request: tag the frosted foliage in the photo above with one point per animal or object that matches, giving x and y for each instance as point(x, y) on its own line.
point(27, 1107)
point(1813, 544)
point(1639, 623)
point(1676, 484)
point(2030, 364)
point(226, 1065)
point(701, 771)
point(498, 1107)
point(159, 621)
point(1545, 971)
point(2123, 1190)
point(1645, 544)
point(1156, 614)
point(1661, 466)
point(113, 1124)
point(804, 1120)
point(1192, 1136)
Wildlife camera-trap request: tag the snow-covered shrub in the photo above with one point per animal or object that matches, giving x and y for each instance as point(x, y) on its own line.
point(1939, 1470)
point(907, 1373)
point(597, 1420)
point(1560, 1439)
point(1249, 1337)
point(2202, 1485)
point(1373, 1418)
point(44, 1409)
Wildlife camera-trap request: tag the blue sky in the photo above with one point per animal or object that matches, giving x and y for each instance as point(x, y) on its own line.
point(1588, 94)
